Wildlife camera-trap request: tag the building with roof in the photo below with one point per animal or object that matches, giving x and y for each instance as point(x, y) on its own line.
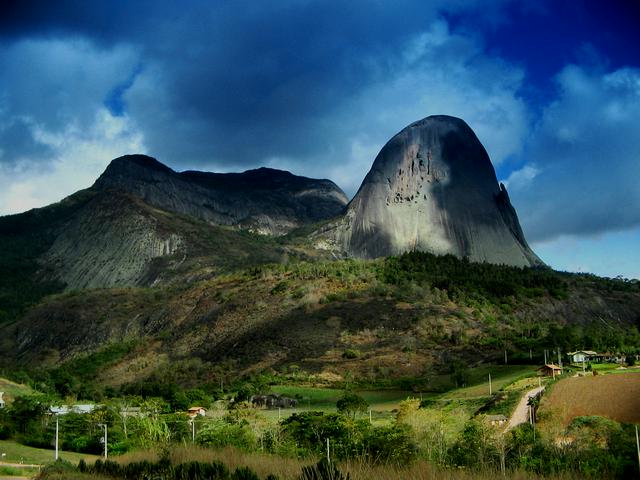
point(550, 370)
point(581, 356)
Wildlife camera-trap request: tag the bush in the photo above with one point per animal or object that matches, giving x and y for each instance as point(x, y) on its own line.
point(244, 473)
point(350, 353)
point(323, 470)
point(393, 444)
point(351, 403)
point(222, 434)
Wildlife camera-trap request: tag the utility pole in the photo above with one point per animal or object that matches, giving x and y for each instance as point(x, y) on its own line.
point(505, 356)
point(545, 356)
point(638, 446)
point(559, 358)
point(105, 438)
point(328, 457)
point(193, 430)
point(490, 391)
point(57, 430)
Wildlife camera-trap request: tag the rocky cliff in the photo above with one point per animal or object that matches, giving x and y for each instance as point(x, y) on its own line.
point(432, 188)
point(265, 200)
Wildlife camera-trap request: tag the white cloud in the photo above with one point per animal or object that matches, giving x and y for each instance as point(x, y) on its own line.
point(586, 153)
point(522, 178)
point(79, 157)
point(56, 134)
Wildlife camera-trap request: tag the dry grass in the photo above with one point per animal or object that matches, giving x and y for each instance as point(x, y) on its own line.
point(262, 464)
point(612, 396)
point(290, 469)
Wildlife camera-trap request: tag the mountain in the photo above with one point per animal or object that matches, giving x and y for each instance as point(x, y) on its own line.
point(432, 188)
point(265, 200)
point(195, 277)
point(142, 224)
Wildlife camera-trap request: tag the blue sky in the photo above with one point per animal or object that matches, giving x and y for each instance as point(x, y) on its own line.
point(551, 88)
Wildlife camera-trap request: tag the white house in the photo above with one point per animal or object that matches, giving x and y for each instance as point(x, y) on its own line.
point(583, 356)
point(1, 400)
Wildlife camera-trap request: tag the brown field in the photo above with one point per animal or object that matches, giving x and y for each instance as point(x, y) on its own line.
point(614, 396)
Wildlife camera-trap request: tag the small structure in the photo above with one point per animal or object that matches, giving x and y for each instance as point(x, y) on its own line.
point(550, 370)
point(1, 400)
point(581, 356)
point(196, 412)
point(64, 409)
point(497, 420)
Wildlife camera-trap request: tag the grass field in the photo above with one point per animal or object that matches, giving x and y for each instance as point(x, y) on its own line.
point(17, 453)
point(613, 396)
point(501, 375)
point(383, 403)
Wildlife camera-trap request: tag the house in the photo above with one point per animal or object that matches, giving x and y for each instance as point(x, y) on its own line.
point(196, 411)
point(581, 356)
point(64, 409)
point(1, 400)
point(613, 357)
point(497, 420)
point(550, 370)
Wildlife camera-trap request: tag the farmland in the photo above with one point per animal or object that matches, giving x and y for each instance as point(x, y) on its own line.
point(612, 396)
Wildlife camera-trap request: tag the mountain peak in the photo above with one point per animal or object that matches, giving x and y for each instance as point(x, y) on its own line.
point(433, 188)
point(138, 160)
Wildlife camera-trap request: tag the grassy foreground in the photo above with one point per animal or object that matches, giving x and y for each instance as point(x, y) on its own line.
point(18, 453)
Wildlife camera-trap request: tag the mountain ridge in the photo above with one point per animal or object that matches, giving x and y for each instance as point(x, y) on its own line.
point(264, 200)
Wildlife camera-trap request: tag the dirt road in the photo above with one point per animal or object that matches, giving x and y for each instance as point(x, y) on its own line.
point(521, 413)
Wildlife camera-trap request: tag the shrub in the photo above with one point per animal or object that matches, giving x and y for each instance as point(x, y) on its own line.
point(244, 473)
point(393, 444)
point(323, 470)
point(351, 403)
point(222, 434)
point(350, 353)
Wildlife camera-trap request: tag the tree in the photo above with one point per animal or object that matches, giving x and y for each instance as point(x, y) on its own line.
point(351, 403)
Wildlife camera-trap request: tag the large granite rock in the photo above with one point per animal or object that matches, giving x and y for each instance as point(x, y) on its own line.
point(265, 200)
point(432, 188)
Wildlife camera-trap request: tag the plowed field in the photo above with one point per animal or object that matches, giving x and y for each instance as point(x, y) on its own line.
point(613, 396)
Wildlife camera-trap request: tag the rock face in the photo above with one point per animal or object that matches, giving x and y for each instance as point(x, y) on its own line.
point(263, 201)
point(110, 242)
point(433, 188)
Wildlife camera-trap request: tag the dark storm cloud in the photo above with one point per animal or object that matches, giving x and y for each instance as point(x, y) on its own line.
point(235, 83)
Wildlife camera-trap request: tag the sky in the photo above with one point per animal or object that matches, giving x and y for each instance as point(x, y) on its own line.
point(551, 88)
